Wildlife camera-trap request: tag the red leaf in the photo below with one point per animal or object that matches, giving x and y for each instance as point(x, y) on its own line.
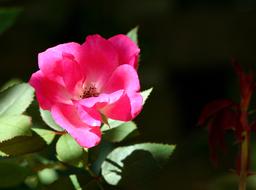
point(253, 126)
point(246, 81)
point(212, 108)
point(223, 120)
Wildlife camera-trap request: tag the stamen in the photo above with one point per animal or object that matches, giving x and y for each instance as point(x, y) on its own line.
point(89, 91)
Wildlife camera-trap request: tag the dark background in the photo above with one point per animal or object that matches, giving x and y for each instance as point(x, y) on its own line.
point(186, 48)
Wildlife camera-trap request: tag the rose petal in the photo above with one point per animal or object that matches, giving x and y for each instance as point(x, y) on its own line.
point(102, 100)
point(119, 110)
point(124, 77)
point(90, 116)
point(126, 108)
point(98, 59)
point(118, 105)
point(72, 76)
point(90, 109)
point(48, 92)
point(128, 51)
point(66, 116)
point(136, 101)
point(48, 60)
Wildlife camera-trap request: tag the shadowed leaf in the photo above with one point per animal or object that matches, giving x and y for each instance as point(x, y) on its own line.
point(69, 151)
point(7, 17)
point(22, 145)
point(114, 163)
point(12, 174)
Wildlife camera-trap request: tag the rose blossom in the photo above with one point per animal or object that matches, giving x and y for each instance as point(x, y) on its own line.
point(78, 83)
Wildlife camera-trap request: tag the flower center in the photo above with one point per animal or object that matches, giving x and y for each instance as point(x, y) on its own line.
point(89, 91)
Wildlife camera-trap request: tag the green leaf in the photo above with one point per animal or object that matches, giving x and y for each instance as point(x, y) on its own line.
point(98, 154)
point(16, 99)
point(120, 133)
point(45, 134)
point(22, 145)
point(111, 124)
point(11, 174)
point(47, 118)
point(10, 83)
point(70, 152)
point(13, 126)
point(145, 94)
point(112, 167)
point(7, 17)
point(133, 34)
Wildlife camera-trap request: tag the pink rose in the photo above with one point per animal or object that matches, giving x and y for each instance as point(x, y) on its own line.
point(77, 83)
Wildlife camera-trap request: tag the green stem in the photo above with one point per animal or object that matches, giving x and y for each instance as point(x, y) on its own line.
point(94, 176)
point(245, 142)
point(75, 182)
point(244, 161)
point(87, 168)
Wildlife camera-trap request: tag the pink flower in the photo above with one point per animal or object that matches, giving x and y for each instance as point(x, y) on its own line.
point(77, 83)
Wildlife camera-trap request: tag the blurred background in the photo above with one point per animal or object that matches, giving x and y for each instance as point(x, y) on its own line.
point(186, 48)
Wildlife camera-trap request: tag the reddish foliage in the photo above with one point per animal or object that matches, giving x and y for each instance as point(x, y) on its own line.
point(212, 108)
point(246, 81)
point(222, 115)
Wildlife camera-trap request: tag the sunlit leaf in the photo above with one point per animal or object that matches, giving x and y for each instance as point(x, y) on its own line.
point(111, 124)
point(121, 132)
point(114, 164)
point(10, 83)
point(45, 134)
point(7, 17)
point(145, 94)
point(47, 118)
point(14, 125)
point(133, 34)
point(16, 99)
